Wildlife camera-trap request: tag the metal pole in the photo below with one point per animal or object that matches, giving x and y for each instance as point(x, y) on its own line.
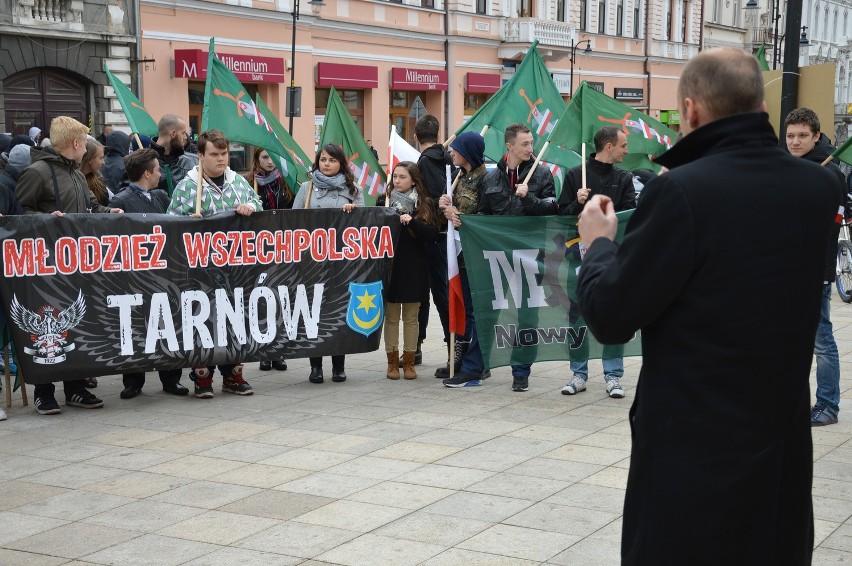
point(790, 76)
point(776, 15)
point(292, 67)
point(571, 87)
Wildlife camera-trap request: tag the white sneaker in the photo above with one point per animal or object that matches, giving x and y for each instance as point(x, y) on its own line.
point(574, 386)
point(3, 415)
point(614, 389)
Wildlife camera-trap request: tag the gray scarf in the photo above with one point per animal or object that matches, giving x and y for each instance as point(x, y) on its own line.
point(326, 184)
point(404, 203)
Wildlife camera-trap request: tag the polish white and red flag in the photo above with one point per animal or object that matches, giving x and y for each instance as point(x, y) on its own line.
point(456, 297)
point(399, 150)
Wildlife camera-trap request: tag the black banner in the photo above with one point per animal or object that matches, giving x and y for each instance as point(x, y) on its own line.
point(100, 294)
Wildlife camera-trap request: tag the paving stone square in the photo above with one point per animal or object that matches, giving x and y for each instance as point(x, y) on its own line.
point(362, 473)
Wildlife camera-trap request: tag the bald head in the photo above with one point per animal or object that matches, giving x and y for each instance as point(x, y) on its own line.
point(722, 82)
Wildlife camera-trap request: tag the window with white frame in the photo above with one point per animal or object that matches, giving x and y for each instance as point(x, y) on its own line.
point(619, 17)
point(601, 16)
point(637, 18)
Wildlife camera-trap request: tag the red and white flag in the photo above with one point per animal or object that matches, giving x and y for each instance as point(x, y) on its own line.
point(456, 297)
point(399, 150)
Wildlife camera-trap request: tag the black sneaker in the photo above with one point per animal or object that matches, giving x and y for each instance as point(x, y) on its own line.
point(84, 399)
point(520, 383)
point(265, 365)
point(279, 365)
point(462, 380)
point(47, 406)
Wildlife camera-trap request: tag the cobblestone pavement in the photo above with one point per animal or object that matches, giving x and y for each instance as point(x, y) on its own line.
point(366, 472)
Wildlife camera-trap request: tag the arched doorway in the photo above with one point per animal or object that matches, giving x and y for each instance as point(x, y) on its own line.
point(36, 96)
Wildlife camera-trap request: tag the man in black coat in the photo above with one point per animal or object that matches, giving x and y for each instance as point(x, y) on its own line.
point(175, 163)
point(505, 192)
point(602, 178)
point(801, 127)
point(433, 168)
point(721, 267)
point(142, 195)
point(115, 150)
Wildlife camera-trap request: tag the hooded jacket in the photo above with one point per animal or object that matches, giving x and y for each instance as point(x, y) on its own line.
point(214, 199)
point(817, 155)
point(433, 168)
point(116, 148)
point(498, 193)
point(36, 190)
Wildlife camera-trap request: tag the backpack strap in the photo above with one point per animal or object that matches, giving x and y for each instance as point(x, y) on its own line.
point(55, 186)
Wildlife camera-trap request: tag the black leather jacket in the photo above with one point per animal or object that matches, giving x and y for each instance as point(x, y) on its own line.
point(498, 193)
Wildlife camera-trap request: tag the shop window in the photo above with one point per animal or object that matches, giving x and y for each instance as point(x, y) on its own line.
point(353, 100)
point(473, 102)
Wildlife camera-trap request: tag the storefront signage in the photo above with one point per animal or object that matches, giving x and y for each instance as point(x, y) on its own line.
point(481, 82)
point(595, 85)
point(418, 79)
point(347, 76)
point(634, 94)
point(192, 64)
point(670, 117)
point(562, 82)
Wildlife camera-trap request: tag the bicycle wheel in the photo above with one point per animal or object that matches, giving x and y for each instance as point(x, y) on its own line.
point(844, 271)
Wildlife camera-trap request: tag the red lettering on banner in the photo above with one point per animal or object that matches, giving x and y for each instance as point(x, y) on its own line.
point(284, 247)
point(66, 255)
point(234, 255)
point(109, 263)
point(139, 252)
point(18, 262)
point(196, 246)
point(303, 240)
point(159, 241)
point(218, 243)
point(90, 254)
point(263, 241)
point(249, 256)
point(352, 250)
point(41, 255)
point(333, 253)
point(319, 245)
point(385, 243)
point(368, 246)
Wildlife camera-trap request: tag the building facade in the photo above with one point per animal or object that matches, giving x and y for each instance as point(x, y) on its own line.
point(54, 52)
point(393, 60)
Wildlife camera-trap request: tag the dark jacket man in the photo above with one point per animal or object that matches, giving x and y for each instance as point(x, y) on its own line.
point(722, 269)
point(38, 193)
point(116, 148)
point(498, 195)
point(602, 179)
point(177, 162)
point(817, 155)
point(19, 159)
point(132, 199)
point(433, 168)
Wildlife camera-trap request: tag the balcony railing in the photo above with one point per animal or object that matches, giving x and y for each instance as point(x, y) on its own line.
point(673, 49)
point(62, 14)
point(762, 35)
point(526, 30)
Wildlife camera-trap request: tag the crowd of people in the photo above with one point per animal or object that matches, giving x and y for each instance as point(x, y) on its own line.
point(722, 414)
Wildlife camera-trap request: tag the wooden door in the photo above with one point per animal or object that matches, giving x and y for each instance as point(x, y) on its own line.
point(37, 96)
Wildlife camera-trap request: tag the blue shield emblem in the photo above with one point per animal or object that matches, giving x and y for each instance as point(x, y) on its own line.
point(366, 309)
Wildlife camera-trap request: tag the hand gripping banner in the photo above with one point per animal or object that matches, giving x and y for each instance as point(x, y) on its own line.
point(101, 294)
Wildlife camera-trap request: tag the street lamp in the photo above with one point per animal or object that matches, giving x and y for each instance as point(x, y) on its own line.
point(586, 51)
point(291, 92)
point(776, 16)
point(803, 39)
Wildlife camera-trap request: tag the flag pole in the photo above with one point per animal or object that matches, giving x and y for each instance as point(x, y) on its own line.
point(450, 140)
point(200, 188)
point(535, 163)
point(8, 376)
point(583, 157)
point(138, 141)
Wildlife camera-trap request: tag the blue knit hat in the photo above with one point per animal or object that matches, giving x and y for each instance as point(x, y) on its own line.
point(471, 146)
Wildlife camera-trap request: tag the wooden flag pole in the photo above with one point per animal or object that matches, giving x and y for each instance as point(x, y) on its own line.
point(8, 376)
point(310, 192)
point(138, 141)
point(24, 399)
point(583, 157)
point(827, 160)
point(255, 183)
point(452, 137)
point(535, 163)
point(200, 188)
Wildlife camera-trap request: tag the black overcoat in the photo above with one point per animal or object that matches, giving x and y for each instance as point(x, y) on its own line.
point(721, 268)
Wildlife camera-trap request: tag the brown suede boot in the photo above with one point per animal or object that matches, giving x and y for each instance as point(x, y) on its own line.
point(393, 370)
point(408, 365)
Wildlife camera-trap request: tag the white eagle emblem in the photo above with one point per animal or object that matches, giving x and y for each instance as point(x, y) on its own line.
point(48, 327)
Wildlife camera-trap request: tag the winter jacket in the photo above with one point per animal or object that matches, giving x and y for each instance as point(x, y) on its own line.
point(433, 168)
point(498, 194)
point(409, 281)
point(817, 155)
point(469, 190)
point(602, 179)
point(324, 198)
point(36, 192)
point(131, 198)
point(233, 192)
point(9, 204)
point(116, 148)
point(178, 163)
point(273, 195)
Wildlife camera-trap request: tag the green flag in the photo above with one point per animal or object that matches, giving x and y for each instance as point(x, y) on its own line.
point(228, 107)
point(761, 57)
point(294, 164)
point(590, 110)
point(523, 280)
point(138, 118)
point(339, 128)
point(530, 98)
point(844, 152)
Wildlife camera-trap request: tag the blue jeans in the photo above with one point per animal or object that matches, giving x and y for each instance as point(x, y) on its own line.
point(613, 368)
point(827, 359)
point(472, 360)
